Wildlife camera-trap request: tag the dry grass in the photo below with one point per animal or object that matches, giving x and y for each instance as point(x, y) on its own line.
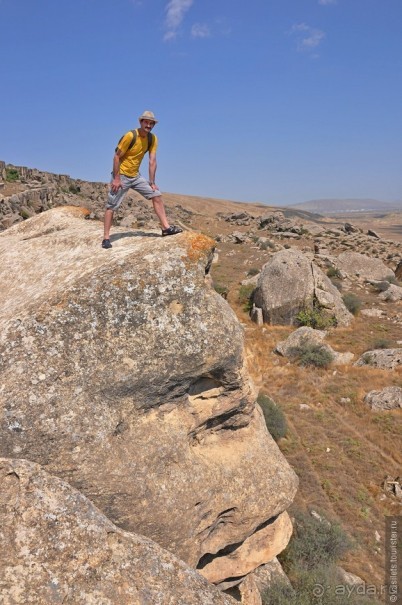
point(340, 450)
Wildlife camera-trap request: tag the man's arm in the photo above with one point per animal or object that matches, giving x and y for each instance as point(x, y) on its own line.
point(116, 182)
point(152, 169)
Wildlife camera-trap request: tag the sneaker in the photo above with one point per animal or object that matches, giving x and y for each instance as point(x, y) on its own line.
point(106, 243)
point(173, 230)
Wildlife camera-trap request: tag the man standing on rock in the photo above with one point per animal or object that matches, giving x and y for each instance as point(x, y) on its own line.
point(127, 159)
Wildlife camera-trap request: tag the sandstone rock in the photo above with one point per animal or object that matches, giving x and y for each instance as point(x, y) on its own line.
point(372, 233)
point(387, 399)
point(268, 541)
point(309, 335)
point(238, 237)
point(269, 574)
point(384, 359)
point(392, 294)
point(57, 547)
point(289, 283)
point(123, 373)
point(256, 316)
point(398, 270)
point(349, 228)
point(362, 266)
point(329, 298)
point(250, 595)
point(271, 218)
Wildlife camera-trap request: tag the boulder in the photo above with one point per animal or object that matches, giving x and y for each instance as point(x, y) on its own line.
point(123, 373)
point(310, 336)
point(362, 266)
point(57, 547)
point(392, 294)
point(289, 282)
point(384, 359)
point(387, 399)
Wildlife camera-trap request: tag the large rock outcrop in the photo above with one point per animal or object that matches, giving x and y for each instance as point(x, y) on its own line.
point(289, 283)
point(123, 373)
point(57, 547)
point(362, 266)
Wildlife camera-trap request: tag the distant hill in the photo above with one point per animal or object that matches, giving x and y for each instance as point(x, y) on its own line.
point(343, 206)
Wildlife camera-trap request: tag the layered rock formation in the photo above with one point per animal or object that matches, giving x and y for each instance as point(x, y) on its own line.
point(123, 373)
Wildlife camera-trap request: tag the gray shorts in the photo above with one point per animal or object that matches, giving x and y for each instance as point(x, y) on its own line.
point(138, 183)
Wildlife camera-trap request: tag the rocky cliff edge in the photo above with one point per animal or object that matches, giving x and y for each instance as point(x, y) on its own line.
point(123, 374)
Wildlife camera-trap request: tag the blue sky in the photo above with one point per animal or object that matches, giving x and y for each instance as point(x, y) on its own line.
point(275, 101)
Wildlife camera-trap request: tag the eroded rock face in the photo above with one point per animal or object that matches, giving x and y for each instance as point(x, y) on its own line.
point(289, 283)
point(57, 547)
point(123, 374)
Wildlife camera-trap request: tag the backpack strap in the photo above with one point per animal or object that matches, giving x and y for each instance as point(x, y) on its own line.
point(133, 140)
point(150, 140)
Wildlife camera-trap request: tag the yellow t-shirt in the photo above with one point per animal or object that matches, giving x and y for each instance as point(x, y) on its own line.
point(131, 159)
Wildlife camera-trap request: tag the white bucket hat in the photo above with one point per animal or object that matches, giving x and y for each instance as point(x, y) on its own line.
point(148, 115)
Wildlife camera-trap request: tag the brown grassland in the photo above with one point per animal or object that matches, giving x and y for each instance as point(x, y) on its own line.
point(340, 449)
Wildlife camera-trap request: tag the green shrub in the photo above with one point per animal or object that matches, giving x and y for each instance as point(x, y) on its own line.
point(311, 354)
point(315, 318)
point(381, 343)
point(74, 188)
point(274, 417)
point(246, 297)
point(315, 542)
point(12, 175)
point(253, 271)
point(334, 272)
point(222, 290)
point(352, 303)
point(320, 586)
point(310, 561)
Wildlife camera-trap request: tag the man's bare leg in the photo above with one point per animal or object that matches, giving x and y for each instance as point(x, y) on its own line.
point(159, 209)
point(107, 223)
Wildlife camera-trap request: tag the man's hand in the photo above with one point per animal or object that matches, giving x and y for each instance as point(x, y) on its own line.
point(153, 185)
point(116, 184)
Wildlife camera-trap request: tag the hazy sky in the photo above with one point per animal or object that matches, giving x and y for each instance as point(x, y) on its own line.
point(277, 101)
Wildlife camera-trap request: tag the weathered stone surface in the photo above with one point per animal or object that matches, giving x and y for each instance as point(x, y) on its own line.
point(267, 542)
point(385, 359)
point(362, 266)
point(299, 336)
point(290, 282)
point(392, 294)
point(387, 399)
point(250, 595)
point(329, 298)
point(123, 373)
point(269, 574)
point(57, 547)
point(309, 335)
